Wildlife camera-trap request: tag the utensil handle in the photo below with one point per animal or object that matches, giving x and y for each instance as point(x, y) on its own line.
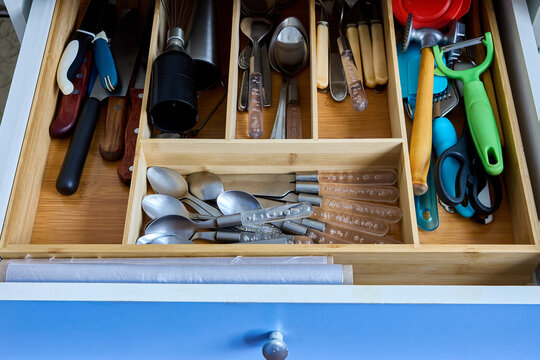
point(483, 127)
point(73, 164)
point(367, 55)
point(420, 148)
point(372, 193)
point(388, 213)
point(66, 117)
point(279, 131)
point(362, 177)
point(111, 145)
point(354, 42)
point(294, 120)
point(322, 55)
point(255, 106)
point(356, 89)
point(379, 55)
point(243, 97)
point(351, 222)
point(283, 240)
point(105, 62)
point(71, 60)
point(125, 167)
point(263, 216)
point(359, 238)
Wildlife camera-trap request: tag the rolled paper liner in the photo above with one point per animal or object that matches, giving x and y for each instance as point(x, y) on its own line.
point(179, 274)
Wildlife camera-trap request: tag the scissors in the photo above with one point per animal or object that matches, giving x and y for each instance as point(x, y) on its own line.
point(471, 177)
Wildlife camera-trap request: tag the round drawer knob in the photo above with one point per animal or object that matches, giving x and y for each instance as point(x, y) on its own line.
point(275, 348)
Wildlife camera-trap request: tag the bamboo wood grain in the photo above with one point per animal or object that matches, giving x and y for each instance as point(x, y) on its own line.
point(429, 265)
point(28, 179)
point(522, 207)
point(475, 22)
point(420, 150)
point(444, 259)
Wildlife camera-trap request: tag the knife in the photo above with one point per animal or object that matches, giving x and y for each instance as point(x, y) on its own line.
point(73, 55)
point(369, 176)
point(125, 167)
point(282, 190)
point(66, 117)
point(124, 47)
point(366, 47)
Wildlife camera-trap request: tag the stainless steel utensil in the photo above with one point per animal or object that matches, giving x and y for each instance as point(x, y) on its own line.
point(255, 28)
point(288, 55)
point(169, 182)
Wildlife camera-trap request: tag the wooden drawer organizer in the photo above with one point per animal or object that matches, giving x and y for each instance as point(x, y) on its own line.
point(43, 223)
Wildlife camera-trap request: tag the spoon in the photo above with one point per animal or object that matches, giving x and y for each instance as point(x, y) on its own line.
point(161, 239)
point(235, 201)
point(243, 63)
point(158, 205)
point(169, 182)
point(255, 28)
point(185, 228)
point(288, 55)
point(205, 185)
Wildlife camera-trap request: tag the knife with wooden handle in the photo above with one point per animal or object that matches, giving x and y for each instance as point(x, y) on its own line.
point(366, 53)
point(125, 167)
point(354, 42)
point(68, 110)
point(111, 146)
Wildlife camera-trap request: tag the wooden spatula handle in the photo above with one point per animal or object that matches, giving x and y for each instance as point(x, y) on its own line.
point(420, 151)
point(367, 55)
point(111, 145)
point(322, 55)
point(379, 55)
point(125, 167)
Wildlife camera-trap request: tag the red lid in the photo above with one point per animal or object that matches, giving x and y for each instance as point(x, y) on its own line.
point(435, 14)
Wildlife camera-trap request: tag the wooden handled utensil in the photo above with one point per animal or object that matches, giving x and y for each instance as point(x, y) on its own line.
point(420, 148)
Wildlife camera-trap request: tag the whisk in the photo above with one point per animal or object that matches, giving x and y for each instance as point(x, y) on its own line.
point(179, 14)
point(173, 96)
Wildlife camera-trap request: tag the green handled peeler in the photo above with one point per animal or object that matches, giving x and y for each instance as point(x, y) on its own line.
point(479, 113)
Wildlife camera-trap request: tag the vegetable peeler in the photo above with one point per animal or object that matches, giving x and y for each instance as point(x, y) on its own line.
point(480, 116)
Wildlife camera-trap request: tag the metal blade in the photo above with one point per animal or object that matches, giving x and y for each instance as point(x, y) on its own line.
point(274, 185)
point(124, 48)
point(462, 44)
point(92, 16)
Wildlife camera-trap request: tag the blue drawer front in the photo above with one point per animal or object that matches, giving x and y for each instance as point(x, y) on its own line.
point(142, 330)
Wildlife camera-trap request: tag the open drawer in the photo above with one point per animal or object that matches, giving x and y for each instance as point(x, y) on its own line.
point(104, 218)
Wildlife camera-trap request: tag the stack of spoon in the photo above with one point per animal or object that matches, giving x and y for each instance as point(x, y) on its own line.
point(340, 214)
